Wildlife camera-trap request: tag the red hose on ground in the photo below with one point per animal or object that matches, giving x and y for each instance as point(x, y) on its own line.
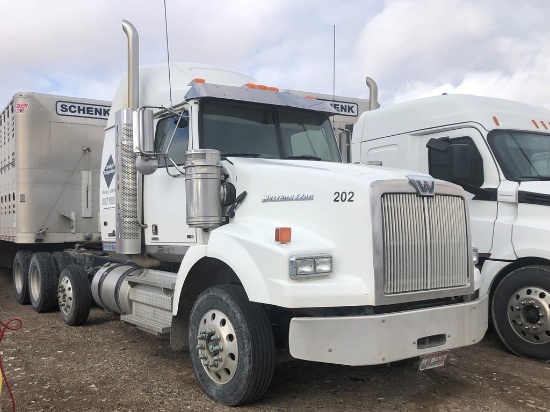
point(12, 324)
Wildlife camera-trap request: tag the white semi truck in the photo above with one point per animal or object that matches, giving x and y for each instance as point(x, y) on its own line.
point(499, 152)
point(230, 225)
point(50, 154)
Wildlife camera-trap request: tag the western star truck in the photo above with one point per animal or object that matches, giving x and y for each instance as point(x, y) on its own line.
point(499, 152)
point(230, 225)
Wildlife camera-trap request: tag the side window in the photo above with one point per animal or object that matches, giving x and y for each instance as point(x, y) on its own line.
point(172, 138)
point(440, 163)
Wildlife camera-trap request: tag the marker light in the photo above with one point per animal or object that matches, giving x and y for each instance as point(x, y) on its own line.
point(283, 234)
point(497, 122)
point(535, 123)
point(273, 89)
point(199, 80)
point(262, 87)
point(475, 255)
point(543, 124)
point(251, 85)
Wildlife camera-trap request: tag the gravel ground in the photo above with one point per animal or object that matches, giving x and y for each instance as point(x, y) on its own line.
point(107, 365)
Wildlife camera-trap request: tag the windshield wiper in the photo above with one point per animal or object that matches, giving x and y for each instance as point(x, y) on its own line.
point(533, 177)
point(240, 155)
point(306, 157)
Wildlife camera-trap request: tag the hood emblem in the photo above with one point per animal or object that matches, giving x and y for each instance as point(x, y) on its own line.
point(424, 184)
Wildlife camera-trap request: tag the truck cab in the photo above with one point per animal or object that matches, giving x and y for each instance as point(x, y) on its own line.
point(499, 152)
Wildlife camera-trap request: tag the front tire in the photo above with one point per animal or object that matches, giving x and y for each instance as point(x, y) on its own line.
point(21, 264)
point(231, 345)
point(520, 311)
point(73, 295)
point(43, 282)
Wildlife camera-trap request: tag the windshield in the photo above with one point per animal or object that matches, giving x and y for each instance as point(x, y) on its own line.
point(522, 155)
point(247, 129)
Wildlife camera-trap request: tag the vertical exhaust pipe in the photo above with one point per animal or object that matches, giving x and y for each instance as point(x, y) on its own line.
point(373, 96)
point(128, 229)
point(133, 64)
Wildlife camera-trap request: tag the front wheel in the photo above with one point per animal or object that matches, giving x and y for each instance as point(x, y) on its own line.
point(73, 295)
point(521, 307)
point(231, 345)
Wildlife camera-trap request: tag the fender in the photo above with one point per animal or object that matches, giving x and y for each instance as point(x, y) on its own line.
point(193, 255)
point(248, 246)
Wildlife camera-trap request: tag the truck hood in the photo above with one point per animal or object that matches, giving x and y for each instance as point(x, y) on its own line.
point(324, 200)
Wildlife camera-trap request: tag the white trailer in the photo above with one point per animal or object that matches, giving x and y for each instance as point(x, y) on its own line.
point(50, 153)
point(499, 152)
point(243, 232)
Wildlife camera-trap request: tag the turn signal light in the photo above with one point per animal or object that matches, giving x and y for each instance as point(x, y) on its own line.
point(283, 234)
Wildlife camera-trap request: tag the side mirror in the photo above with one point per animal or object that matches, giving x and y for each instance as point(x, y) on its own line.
point(144, 142)
point(459, 156)
point(439, 145)
point(344, 140)
point(144, 135)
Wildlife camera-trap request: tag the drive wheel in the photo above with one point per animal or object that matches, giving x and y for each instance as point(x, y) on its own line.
point(73, 295)
point(231, 345)
point(43, 282)
point(61, 260)
point(21, 264)
point(521, 307)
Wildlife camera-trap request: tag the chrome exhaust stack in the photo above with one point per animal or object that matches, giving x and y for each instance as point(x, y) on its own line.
point(133, 64)
point(373, 95)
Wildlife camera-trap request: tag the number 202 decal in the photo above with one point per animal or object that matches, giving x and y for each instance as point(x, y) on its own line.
point(343, 196)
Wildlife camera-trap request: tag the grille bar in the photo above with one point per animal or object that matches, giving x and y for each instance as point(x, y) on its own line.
point(425, 242)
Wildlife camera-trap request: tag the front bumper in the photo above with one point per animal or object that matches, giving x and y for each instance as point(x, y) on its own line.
point(378, 339)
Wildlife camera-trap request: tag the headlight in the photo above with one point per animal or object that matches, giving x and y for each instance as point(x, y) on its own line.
point(305, 266)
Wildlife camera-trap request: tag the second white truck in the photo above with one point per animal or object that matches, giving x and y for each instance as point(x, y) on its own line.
point(499, 152)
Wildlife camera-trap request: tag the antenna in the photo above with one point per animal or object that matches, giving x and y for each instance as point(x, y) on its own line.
point(333, 62)
point(168, 53)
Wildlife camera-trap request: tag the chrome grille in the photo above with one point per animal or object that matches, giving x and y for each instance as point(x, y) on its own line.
point(425, 242)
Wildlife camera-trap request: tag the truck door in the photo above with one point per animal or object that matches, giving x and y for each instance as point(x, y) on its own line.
point(164, 190)
point(481, 184)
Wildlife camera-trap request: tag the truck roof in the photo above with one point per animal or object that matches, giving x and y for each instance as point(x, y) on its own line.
point(154, 87)
point(441, 111)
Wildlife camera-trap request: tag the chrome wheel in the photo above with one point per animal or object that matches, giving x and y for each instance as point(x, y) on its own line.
point(528, 311)
point(217, 346)
point(18, 278)
point(65, 295)
point(35, 282)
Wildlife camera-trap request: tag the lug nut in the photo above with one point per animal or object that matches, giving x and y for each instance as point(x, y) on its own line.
point(200, 346)
point(215, 338)
point(523, 302)
point(201, 337)
point(208, 331)
point(217, 358)
point(202, 356)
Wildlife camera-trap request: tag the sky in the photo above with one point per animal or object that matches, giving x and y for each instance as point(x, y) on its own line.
point(411, 48)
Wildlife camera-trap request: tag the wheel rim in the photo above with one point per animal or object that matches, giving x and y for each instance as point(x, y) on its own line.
point(18, 278)
point(528, 311)
point(65, 295)
point(34, 282)
point(217, 346)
